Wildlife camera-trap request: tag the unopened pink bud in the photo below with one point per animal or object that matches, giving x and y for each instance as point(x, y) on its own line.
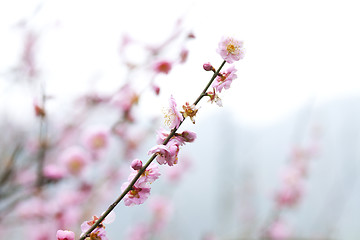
point(156, 89)
point(136, 164)
point(191, 35)
point(208, 67)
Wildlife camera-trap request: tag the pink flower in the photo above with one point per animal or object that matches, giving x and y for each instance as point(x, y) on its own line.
point(96, 138)
point(162, 67)
point(75, 159)
point(225, 80)
point(137, 195)
point(99, 232)
point(278, 231)
point(173, 117)
point(151, 173)
point(230, 49)
point(162, 153)
point(162, 134)
point(166, 154)
point(65, 235)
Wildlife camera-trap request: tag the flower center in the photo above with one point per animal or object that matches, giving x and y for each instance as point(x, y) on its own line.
point(169, 116)
point(134, 193)
point(232, 48)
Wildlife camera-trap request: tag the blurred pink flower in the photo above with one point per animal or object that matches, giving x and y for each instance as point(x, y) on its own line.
point(175, 174)
point(173, 117)
point(279, 231)
point(53, 172)
point(75, 159)
point(139, 232)
point(125, 98)
point(225, 80)
point(33, 208)
point(230, 49)
point(291, 189)
point(162, 210)
point(65, 235)
point(289, 195)
point(96, 138)
point(137, 195)
point(162, 67)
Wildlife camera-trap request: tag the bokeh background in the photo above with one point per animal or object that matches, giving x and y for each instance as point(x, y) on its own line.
point(297, 88)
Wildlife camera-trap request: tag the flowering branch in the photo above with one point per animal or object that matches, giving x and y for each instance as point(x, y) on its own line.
point(151, 159)
point(136, 191)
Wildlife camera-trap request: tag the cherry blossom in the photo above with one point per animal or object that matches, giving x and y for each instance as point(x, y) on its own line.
point(173, 117)
point(230, 49)
point(225, 80)
point(137, 195)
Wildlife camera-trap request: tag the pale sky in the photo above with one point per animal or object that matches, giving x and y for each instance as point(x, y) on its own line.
point(297, 52)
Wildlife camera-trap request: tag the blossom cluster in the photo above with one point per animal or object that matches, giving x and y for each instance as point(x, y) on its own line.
point(230, 50)
point(165, 154)
point(168, 146)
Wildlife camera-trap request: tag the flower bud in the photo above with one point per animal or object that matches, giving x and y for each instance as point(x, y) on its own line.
point(156, 89)
point(136, 164)
point(188, 136)
point(208, 67)
point(39, 111)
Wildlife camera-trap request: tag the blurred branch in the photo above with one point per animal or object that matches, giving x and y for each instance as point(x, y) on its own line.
point(9, 166)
